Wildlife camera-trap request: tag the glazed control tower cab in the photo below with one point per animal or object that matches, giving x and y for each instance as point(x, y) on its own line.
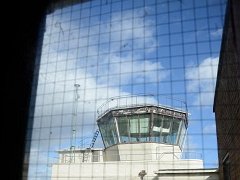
point(142, 132)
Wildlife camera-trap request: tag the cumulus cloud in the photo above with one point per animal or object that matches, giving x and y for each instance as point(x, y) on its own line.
point(217, 32)
point(190, 144)
point(209, 129)
point(94, 72)
point(201, 81)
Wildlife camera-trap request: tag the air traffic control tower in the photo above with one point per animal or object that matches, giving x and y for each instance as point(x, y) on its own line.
point(141, 141)
point(142, 132)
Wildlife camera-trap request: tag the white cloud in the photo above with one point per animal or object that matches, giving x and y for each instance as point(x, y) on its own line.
point(207, 69)
point(209, 129)
point(217, 32)
point(126, 70)
point(190, 145)
point(202, 79)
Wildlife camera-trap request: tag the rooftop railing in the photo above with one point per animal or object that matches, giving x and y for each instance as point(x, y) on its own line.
point(129, 101)
point(165, 156)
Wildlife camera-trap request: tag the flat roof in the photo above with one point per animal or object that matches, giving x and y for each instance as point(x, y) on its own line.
point(186, 171)
point(146, 109)
point(140, 106)
point(79, 150)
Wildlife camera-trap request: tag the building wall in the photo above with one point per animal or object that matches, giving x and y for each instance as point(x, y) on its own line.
point(21, 46)
point(227, 95)
point(142, 151)
point(128, 170)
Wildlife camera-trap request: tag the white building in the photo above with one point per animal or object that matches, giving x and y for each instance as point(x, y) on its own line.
point(141, 142)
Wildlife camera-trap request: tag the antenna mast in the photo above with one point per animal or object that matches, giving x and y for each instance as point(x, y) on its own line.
point(74, 123)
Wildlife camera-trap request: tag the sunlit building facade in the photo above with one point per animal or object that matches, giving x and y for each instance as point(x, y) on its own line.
point(140, 141)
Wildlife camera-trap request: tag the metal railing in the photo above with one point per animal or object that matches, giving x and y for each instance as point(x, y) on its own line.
point(141, 100)
point(165, 156)
point(180, 155)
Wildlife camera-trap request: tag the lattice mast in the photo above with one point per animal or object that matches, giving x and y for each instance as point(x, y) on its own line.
point(76, 97)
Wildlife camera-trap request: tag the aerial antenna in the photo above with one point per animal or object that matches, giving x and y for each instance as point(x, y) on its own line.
point(76, 96)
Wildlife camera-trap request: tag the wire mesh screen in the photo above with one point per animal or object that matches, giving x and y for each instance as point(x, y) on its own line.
point(104, 71)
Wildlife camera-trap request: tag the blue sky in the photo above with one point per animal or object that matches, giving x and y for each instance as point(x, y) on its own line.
point(170, 48)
